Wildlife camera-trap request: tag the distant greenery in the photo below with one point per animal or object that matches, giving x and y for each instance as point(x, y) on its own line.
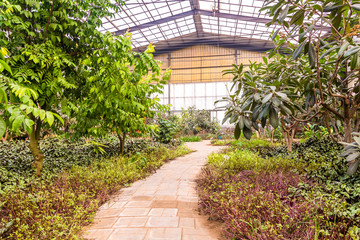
point(167, 129)
point(191, 139)
point(244, 143)
point(194, 121)
point(75, 182)
point(265, 192)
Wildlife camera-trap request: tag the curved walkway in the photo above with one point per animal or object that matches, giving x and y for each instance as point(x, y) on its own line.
point(162, 206)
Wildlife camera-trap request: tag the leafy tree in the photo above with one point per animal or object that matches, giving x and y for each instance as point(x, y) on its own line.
point(324, 33)
point(121, 98)
point(312, 72)
point(47, 43)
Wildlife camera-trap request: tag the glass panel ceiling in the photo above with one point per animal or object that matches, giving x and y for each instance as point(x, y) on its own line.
point(164, 20)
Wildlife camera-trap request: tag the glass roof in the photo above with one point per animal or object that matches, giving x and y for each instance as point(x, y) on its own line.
point(187, 21)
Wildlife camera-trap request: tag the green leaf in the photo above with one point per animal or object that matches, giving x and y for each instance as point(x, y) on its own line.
point(3, 96)
point(2, 127)
point(343, 48)
point(308, 29)
point(263, 122)
point(17, 122)
point(327, 52)
point(351, 51)
point(227, 116)
point(284, 13)
point(352, 156)
point(247, 133)
point(355, 63)
point(264, 112)
point(59, 118)
point(332, 7)
point(312, 55)
point(356, 7)
point(298, 50)
point(247, 122)
point(255, 114)
point(267, 98)
point(237, 131)
point(28, 123)
point(357, 140)
point(273, 118)
point(274, 35)
point(49, 118)
point(283, 96)
point(353, 167)
point(285, 109)
point(241, 122)
point(298, 17)
point(6, 66)
point(255, 125)
point(42, 114)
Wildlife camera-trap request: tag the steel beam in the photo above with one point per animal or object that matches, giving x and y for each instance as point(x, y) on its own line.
point(154, 23)
point(197, 13)
point(195, 5)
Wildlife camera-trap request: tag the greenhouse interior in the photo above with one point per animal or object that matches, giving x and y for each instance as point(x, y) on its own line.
point(180, 119)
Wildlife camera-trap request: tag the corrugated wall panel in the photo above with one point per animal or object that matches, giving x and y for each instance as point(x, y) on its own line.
point(204, 63)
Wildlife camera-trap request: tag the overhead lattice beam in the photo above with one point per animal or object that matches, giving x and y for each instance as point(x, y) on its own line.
point(195, 5)
point(156, 22)
point(198, 12)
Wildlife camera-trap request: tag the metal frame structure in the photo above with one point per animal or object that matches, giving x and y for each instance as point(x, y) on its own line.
point(176, 24)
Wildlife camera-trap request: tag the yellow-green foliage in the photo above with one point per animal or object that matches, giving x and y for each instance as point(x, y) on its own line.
point(244, 143)
point(239, 160)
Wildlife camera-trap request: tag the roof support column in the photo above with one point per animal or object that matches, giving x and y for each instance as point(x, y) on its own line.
point(169, 88)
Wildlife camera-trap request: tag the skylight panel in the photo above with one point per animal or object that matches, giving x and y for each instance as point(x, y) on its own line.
point(206, 5)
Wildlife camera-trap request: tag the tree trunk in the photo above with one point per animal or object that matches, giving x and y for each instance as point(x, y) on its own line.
point(122, 142)
point(35, 149)
point(5, 137)
point(290, 142)
point(347, 130)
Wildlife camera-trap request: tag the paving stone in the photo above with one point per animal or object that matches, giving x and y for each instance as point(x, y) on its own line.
point(156, 212)
point(163, 222)
point(135, 212)
point(138, 204)
point(128, 234)
point(186, 222)
point(104, 222)
point(162, 206)
point(99, 234)
point(164, 233)
point(110, 212)
point(170, 212)
point(130, 222)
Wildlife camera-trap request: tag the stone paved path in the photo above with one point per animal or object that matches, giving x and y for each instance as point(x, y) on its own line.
point(162, 206)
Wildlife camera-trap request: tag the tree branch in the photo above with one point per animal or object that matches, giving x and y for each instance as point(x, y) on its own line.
point(48, 22)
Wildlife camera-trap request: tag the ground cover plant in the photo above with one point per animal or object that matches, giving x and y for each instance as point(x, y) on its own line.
point(191, 139)
point(75, 182)
point(268, 193)
point(244, 143)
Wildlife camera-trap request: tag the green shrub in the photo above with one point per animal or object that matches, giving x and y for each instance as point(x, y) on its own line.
point(57, 206)
point(194, 121)
point(168, 128)
point(239, 160)
point(243, 143)
point(191, 139)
